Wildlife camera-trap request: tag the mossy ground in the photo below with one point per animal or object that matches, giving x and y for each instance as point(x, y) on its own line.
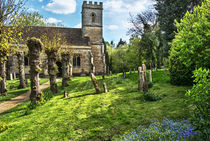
point(13, 91)
point(88, 116)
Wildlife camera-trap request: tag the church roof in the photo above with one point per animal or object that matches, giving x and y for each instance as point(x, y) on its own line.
point(73, 36)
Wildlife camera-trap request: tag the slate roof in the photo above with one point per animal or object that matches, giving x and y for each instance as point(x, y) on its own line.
point(73, 36)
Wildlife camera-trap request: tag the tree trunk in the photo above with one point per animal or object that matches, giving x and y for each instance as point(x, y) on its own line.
point(95, 83)
point(65, 69)
point(150, 76)
point(22, 78)
point(52, 70)
point(3, 89)
point(9, 67)
point(35, 47)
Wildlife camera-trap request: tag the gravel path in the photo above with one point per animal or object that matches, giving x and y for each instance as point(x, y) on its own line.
point(19, 99)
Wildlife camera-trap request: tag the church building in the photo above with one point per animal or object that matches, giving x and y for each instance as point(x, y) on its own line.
point(86, 42)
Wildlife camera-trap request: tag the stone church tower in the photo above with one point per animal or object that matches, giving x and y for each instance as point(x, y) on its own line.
point(92, 27)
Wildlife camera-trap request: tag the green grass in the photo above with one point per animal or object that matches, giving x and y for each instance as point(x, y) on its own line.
point(89, 116)
point(13, 91)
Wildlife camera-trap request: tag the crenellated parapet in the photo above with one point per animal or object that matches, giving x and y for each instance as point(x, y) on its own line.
point(92, 5)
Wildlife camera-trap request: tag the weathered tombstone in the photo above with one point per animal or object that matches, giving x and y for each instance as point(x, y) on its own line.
point(110, 73)
point(105, 88)
point(11, 76)
point(65, 69)
point(52, 69)
point(66, 94)
point(14, 75)
point(124, 74)
point(145, 87)
point(95, 83)
point(150, 76)
point(134, 70)
point(129, 71)
point(20, 56)
point(35, 47)
point(140, 79)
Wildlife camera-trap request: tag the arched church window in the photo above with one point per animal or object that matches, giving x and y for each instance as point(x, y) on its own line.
point(93, 16)
point(76, 61)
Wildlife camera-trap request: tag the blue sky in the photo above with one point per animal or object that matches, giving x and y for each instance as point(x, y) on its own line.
point(116, 14)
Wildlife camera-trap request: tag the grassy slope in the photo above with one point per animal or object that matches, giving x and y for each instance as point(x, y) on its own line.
point(87, 116)
point(15, 91)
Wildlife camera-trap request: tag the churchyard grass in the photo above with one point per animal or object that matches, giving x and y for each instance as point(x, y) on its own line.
point(13, 91)
point(88, 116)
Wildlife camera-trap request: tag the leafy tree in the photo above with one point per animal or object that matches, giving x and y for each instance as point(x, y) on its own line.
point(33, 19)
point(190, 48)
point(170, 10)
point(52, 41)
point(146, 28)
point(199, 96)
point(8, 35)
point(121, 42)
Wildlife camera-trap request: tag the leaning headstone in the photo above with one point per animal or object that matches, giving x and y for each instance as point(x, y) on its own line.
point(95, 83)
point(105, 88)
point(145, 86)
point(150, 76)
point(35, 48)
point(140, 79)
point(129, 71)
point(66, 94)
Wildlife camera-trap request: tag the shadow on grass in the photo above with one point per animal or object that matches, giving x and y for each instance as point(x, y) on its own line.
point(83, 95)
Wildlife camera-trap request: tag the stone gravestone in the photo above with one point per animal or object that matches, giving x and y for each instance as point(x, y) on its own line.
point(150, 76)
point(140, 79)
point(145, 86)
point(95, 83)
point(105, 87)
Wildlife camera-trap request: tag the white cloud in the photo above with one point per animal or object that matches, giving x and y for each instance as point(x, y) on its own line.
point(113, 27)
point(78, 25)
point(61, 6)
point(40, 0)
point(126, 5)
point(33, 10)
point(53, 20)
